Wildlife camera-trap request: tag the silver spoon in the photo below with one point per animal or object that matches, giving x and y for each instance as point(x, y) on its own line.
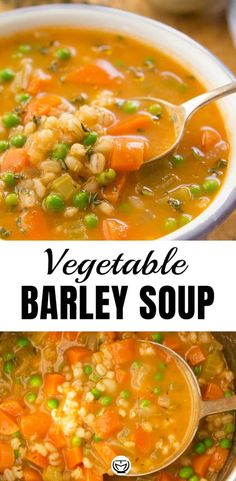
point(200, 408)
point(182, 113)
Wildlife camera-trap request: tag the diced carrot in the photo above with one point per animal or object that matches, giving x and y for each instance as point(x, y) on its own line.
point(54, 336)
point(91, 475)
point(107, 424)
point(123, 351)
point(172, 341)
point(163, 476)
point(37, 424)
point(143, 441)
point(12, 407)
point(7, 425)
point(113, 192)
point(127, 154)
point(195, 355)
point(106, 452)
point(39, 82)
point(131, 125)
point(15, 160)
point(36, 225)
point(201, 464)
point(56, 437)
point(42, 105)
point(100, 73)
point(114, 229)
point(212, 391)
point(210, 137)
point(37, 459)
point(76, 354)
point(218, 459)
point(73, 457)
point(51, 382)
point(121, 375)
point(7, 457)
point(31, 475)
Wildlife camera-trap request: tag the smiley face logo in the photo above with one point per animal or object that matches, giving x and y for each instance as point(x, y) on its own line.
point(121, 465)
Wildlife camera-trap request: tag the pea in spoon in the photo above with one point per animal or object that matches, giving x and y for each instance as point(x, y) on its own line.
point(182, 113)
point(200, 408)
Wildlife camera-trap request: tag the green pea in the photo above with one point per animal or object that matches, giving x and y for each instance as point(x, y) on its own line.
point(136, 365)
point(76, 441)
point(230, 428)
point(225, 443)
point(18, 140)
point(31, 397)
point(125, 394)
point(106, 400)
point(81, 199)
point(200, 448)
point(106, 177)
point(228, 393)
point(208, 442)
point(211, 185)
point(185, 219)
point(177, 160)
point(170, 224)
point(54, 203)
point(97, 438)
point(8, 356)
point(186, 472)
point(23, 342)
point(10, 120)
point(96, 393)
point(4, 145)
point(197, 370)
point(35, 380)
point(22, 98)
point(145, 403)
point(63, 54)
point(91, 221)
point(8, 367)
point(159, 376)
point(162, 365)
point(158, 337)
point(195, 477)
point(90, 138)
point(60, 152)
point(24, 48)
point(157, 390)
point(52, 403)
point(87, 369)
point(130, 107)
point(195, 190)
point(9, 179)
point(11, 200)
point(6, 75)
point(155, 109)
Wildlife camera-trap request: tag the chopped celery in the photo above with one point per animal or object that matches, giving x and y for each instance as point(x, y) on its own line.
point(52, 473)
point(213, 365)
point(64, 185)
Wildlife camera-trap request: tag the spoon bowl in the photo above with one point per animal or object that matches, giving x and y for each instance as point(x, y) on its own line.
point(180, 114)
point(200, 408)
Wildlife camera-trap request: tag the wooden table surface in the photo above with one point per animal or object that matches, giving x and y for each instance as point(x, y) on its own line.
point(208, 29)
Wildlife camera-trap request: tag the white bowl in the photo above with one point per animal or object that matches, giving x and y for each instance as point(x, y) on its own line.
point(207, 68)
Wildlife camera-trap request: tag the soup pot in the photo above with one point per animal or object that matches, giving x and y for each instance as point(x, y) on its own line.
point(207, 68)
point(188, 6)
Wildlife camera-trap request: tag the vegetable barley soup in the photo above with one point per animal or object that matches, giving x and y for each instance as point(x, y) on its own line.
point(72, 143)
point(71, 402)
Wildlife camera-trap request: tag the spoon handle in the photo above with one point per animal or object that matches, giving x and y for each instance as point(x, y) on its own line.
point(194, 104)
point(218, 406)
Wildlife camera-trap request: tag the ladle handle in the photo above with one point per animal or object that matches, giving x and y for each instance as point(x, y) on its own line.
point(218, 406)
point(194, 104)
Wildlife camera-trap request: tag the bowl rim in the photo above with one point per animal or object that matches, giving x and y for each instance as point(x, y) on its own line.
point(220, 212)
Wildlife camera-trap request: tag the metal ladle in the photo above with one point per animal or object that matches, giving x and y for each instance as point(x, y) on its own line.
point(182, 113)
point(200, 408)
